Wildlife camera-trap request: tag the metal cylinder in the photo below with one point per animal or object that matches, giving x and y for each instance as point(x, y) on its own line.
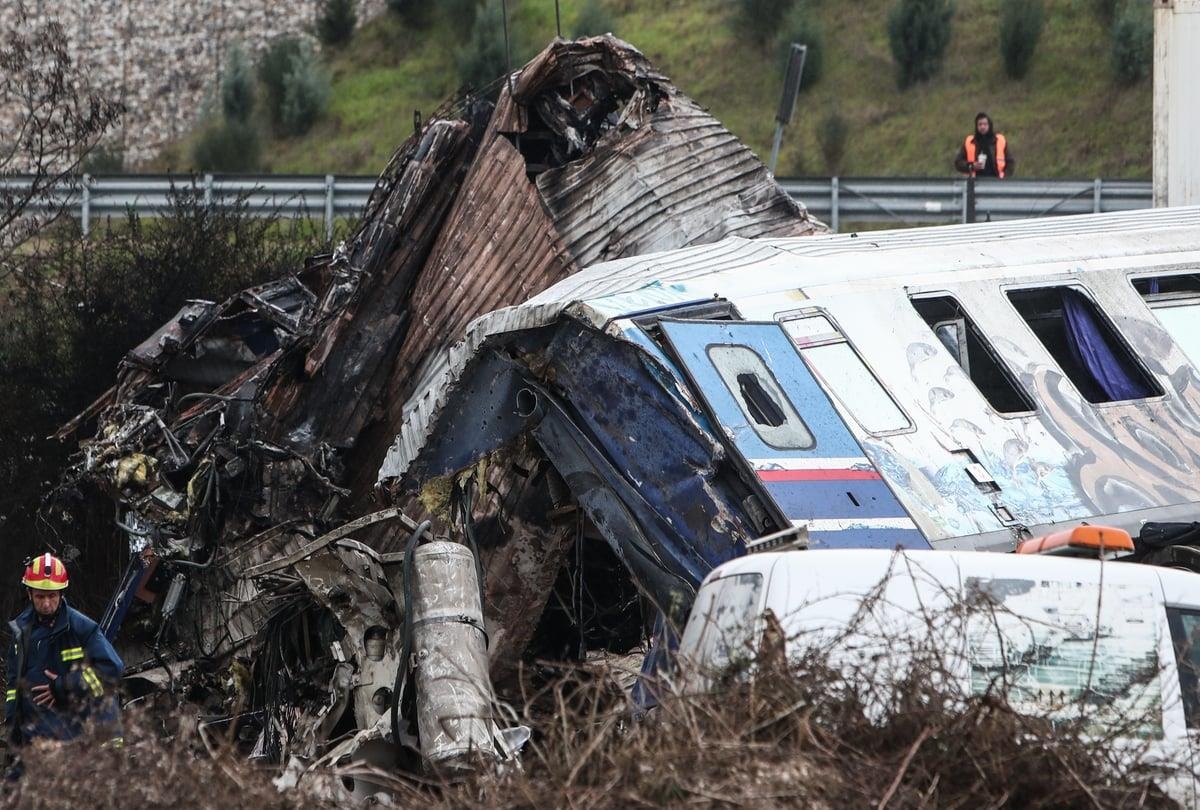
point(454, 689)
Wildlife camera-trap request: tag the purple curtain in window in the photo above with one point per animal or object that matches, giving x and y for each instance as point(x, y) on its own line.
point(1090, 347)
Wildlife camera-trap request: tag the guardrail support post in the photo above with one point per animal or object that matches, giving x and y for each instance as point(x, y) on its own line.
point(208, 191)
point(833, 204)
point(329, 181)
point(969, 200)
point(1097, 194)
point(85, 205)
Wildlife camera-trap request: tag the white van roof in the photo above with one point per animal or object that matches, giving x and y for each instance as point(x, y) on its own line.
point(851, 568)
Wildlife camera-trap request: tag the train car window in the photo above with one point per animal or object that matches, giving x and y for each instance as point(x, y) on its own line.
point(956, 331)
point(843, 374)
point(1084, 344)
point(1175, 301)
point(763, 402)
point(1159, 287)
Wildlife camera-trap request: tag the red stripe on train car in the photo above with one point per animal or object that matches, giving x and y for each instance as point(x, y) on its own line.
point(819, 475)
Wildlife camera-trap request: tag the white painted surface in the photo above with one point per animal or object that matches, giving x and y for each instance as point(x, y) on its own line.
point(1176, 102)
point(1085, 624)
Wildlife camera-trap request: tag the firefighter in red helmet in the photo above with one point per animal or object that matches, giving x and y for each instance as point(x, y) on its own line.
point(62, 671)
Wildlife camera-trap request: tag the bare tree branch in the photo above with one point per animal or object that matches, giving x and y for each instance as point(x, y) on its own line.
point(54, 118)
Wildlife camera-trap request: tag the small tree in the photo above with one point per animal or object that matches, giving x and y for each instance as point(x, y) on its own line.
point(761, 19)
point(804, 28)
point(1133, 43)
point(335, 21)
point(483, 58)
point(306, 92)
point(414, 13)
point(228, 146)
point(1105, 10)
point(459, 15)
point(55, 118)
point(273, 68)
point(1021, 23)
point(107, 158)
point(592, 20)
point(237, 86)
point(919, 31)
point(831, 137)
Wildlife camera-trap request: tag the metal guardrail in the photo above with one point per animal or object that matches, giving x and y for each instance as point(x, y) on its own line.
point(865, 200)
point(944, 201)
point(326, 198)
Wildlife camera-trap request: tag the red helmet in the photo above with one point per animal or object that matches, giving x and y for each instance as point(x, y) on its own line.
point(45, 572)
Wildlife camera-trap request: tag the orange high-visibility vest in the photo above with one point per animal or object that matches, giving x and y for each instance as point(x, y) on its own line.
point(969, 144)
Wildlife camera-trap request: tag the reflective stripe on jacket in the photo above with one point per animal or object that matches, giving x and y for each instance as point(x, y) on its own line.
point(88, 670)
point(1001, 153)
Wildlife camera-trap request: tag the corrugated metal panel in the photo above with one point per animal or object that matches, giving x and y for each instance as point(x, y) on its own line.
point(681, 179)
point(497, 248)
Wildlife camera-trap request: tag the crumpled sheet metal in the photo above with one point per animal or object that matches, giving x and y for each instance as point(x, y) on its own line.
point(245, 428)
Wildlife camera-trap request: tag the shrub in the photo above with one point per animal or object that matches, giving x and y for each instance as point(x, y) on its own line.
point(803, 27)
point(228, 146)
point(237, 86)
point(305, 93)
point(760, 19)
point(482, 59)
point(273, 68)
point(1105, 10)
point(1133, 43)
point(460, 15)
point(918, 31)
point(592, 20)
point(414, 13)
point(1021, 24)
point(71, 313)
point(335, 21)
point(831, 137)
point(107, 158)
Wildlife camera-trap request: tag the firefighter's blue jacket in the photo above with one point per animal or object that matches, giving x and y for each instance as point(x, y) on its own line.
point(88, 669)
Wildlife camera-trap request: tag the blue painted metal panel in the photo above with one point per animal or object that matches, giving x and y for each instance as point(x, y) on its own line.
point(822, 499)
point(867, 538)
point(831, 486)
point(691, 340)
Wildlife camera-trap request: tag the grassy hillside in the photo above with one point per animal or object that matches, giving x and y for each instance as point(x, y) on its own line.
point(1068, 118)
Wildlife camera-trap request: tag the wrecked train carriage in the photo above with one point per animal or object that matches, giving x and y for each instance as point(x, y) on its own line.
point(240, 435)
point(950, 388)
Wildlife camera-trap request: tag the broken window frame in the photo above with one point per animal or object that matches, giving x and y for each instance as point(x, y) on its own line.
point(718, 309)
point(1160, 302)
point(1114, 339)
point(834, 336)
point(776, 394)
point(966, 328)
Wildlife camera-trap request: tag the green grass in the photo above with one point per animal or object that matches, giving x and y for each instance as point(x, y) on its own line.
point(1067, 118)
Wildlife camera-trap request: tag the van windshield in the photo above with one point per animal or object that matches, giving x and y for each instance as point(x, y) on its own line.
point(722, 631)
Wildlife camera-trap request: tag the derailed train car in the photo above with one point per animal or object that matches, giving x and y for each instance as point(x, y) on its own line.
point(960, 387)
point(955, 388)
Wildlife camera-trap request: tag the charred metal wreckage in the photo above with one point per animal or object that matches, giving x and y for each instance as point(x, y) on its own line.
point(273, 580)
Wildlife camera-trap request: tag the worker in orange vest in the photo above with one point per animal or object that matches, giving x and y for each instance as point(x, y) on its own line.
point(985, 152)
